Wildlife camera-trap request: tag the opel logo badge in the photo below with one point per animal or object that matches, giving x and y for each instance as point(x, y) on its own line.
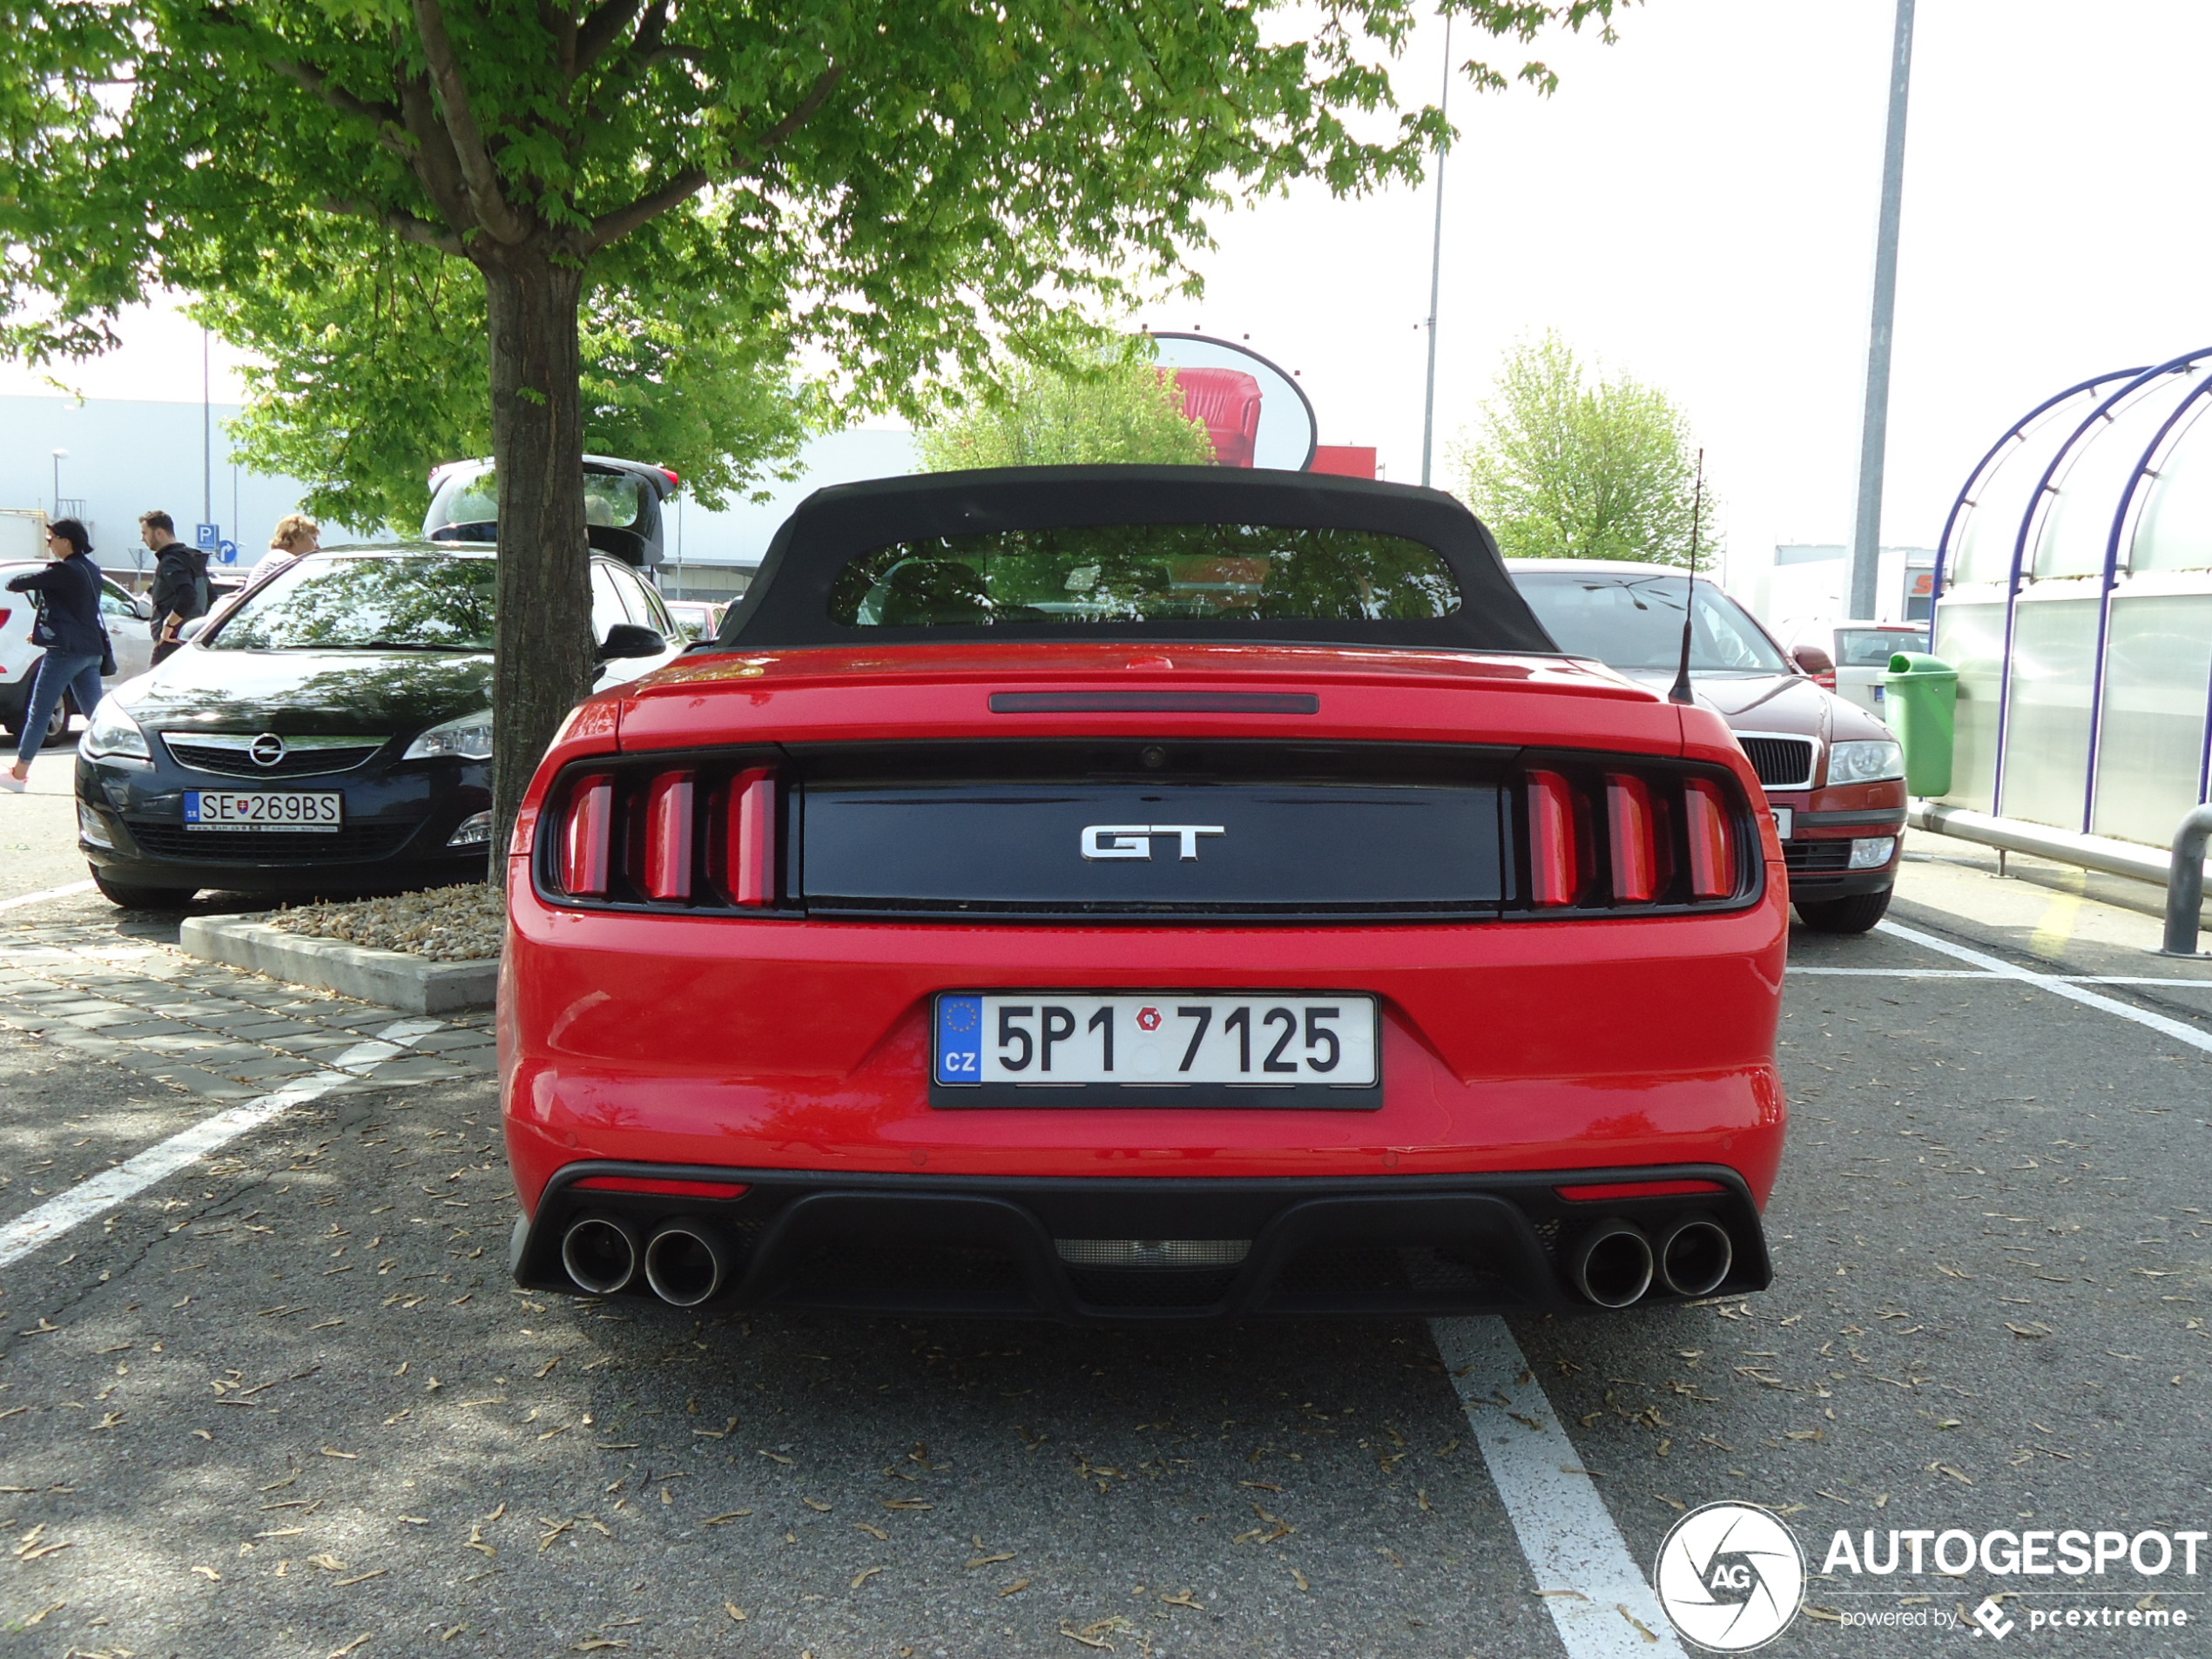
point(266, 750)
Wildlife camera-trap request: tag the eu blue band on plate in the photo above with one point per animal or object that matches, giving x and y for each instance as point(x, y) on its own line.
point(192, 806)
point(960, 1039)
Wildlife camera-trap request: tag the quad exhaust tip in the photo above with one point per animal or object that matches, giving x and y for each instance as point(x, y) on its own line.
point(1695, 1257)
point(600, 1255)
point(684, 1264)
point(1613, 1265)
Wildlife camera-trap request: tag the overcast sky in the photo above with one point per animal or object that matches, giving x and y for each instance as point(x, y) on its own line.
point(1696, 206)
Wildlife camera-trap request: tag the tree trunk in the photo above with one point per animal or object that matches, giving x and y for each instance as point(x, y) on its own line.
point(546, 651)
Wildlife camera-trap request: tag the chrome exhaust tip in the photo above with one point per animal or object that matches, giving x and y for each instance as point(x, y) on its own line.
point(684, 1264)
point(1612, 1266)
point(600, 1255)
point(1695, 1257)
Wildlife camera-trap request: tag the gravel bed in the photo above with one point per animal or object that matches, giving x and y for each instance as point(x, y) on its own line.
point(444, 924)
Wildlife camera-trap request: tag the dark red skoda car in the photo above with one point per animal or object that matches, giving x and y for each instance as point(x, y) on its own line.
point(1142, 893)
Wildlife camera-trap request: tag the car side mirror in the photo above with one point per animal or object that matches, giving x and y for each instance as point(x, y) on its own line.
point(628, 639)
point(1815, 661)
point(143, 606)
point(191, 630)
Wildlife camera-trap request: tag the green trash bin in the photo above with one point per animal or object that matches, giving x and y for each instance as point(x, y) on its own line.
point(1921, 693)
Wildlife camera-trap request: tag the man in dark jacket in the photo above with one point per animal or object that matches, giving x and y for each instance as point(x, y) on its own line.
point(68, 589)
point(179, 580)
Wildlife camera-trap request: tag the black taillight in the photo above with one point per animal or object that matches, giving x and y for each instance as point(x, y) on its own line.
point(695, 835)
point(1554, 871)
point(749, 847)
point(587, 837)
point(1608, 834)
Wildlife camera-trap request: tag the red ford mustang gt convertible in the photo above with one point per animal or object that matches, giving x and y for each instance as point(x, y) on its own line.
point(1142, 893)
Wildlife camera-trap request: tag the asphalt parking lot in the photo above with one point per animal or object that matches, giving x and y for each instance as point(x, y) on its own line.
point(283, 1400)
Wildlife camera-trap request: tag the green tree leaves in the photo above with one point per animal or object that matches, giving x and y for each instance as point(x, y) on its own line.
point(374, 370)
point(1116, 406)
point(1567, 465)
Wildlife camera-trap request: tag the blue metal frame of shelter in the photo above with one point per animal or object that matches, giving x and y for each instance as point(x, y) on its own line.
point(1982, 468)
point(2124, 521)
point(2031, 525)
point(2126, 518)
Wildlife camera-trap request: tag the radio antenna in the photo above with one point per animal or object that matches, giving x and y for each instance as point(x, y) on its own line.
point(1680, 692)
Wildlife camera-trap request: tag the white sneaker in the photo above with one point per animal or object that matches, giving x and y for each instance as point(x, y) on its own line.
point(9, 780)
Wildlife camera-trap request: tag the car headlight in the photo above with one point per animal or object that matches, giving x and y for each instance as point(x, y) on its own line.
point(466, 738)
point(1872, 852)
point(113, 734)
point(1867, 762)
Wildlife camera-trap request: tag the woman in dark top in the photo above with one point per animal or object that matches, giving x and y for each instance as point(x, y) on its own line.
point(69, 627)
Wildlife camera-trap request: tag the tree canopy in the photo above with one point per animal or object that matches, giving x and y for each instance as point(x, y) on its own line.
point(1569, 464)
point(374, 368)
point(1114, 406)
point(896, 188)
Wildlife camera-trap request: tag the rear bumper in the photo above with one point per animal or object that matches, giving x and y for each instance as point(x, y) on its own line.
point(1395, 1246)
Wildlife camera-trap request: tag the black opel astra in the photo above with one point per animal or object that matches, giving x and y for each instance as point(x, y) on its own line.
point(331, 733)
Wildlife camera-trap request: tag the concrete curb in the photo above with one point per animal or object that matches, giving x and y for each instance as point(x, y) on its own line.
point(389, 978)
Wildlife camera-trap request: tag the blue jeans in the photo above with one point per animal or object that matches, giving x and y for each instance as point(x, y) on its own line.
point(56, 674)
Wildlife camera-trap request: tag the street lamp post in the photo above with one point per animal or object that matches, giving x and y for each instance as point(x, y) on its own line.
point(60, 455)
point(1436, 269)
point(1873, 443)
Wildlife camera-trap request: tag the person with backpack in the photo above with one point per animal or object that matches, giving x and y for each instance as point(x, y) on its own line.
point(76, 641)
point(180, 590)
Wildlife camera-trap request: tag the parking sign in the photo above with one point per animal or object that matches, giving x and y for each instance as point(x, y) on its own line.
point(210, 537)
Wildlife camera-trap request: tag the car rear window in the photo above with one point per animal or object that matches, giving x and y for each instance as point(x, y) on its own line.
point(1873, 647)
point(615, 499)
point(1084, 576)
point(1634, 623)
point(373, 603)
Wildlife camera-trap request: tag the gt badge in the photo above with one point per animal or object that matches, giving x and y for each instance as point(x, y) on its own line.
point(1135, 840)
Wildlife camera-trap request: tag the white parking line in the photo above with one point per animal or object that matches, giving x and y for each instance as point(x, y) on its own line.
point(45, 893)
point(112, 1187)
point(1983, 973)
point(2057, 986)
point(1600, 1603)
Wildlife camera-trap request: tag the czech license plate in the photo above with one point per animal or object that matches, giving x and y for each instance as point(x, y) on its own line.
point(296, 810)
point(1149, 1047)
point(1783, 818)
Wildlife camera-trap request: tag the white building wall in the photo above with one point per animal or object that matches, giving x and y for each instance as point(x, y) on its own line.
point(127, 457)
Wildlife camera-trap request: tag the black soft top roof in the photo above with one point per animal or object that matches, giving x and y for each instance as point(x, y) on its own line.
point(788, 601)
